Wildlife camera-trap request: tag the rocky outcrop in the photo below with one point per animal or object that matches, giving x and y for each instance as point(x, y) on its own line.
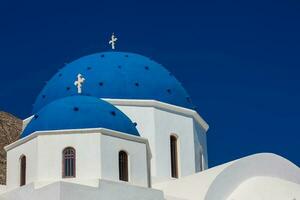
point(10, 129)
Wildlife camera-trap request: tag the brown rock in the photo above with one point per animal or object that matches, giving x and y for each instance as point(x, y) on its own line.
point(10, 129)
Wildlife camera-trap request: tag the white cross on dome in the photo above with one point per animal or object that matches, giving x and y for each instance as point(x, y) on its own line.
point(79, 82)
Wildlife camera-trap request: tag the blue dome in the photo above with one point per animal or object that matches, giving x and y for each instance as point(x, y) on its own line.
point(116, 75)
point(78, 112)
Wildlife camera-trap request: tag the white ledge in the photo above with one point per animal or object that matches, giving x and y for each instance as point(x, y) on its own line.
point(160, 105)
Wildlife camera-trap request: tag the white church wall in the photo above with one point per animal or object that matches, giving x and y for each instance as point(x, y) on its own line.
point(50, 148)
point(201, 155)
point(167, 124)
point(156, 121)
point(231, 180)
point(43, 151)
point(144, 118)
point(137, 160)
point(29, 149)
point(69, 191)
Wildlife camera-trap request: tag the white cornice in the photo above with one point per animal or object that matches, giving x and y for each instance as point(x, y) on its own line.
point(103, 131)
point(160, 105)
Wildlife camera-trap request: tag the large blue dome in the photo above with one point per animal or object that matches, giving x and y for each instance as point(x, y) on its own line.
point(115, 75)
point(78, 112)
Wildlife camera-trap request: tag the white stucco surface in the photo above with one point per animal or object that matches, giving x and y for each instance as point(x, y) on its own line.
point(262, 176)
point(264, 164)
point(156, 122)
point(70, 191)
point(96, 156)
point(269, 188)
point(30, 149)
point(137, 158)
point(258, 177)
point(190, 187)
point(3, 189)
point(220, 182)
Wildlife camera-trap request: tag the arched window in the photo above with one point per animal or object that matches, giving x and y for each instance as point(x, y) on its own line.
point(22, 170)
point(69, 163)
point(123, 166)
point(174, 156)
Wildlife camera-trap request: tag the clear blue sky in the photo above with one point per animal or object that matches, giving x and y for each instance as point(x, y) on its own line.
point(238, 60)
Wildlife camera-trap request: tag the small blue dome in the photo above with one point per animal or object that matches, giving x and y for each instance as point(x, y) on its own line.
point(78, 112)
point(115, 75)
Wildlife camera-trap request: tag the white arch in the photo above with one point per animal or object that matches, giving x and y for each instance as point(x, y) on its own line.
point(219, 182)
point(264, 164)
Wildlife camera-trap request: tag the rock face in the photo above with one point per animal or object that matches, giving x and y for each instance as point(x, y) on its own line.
point(10, 129)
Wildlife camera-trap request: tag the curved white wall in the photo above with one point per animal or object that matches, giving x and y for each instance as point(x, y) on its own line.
point(237, 179)
point(263, 164)
point(266, 188)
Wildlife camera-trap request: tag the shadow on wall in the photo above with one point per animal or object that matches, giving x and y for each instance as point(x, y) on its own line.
point(10, 129)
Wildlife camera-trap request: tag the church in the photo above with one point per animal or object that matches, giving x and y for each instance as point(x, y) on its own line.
point(119, 126)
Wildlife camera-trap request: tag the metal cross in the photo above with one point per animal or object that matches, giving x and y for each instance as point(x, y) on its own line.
point(79, 83)
point(112, 41)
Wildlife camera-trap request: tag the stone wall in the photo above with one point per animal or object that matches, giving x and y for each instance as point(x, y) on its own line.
point(10, 128)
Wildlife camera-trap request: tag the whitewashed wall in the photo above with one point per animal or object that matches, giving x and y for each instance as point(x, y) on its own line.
point(144, 117)
point(95, 159)
point(137, 159)
point(266, 188)
point(50, 148)
point(262, 176)
point(201, 155)
point(157, 124)
point(106, 190)
point(29, 149)
point(167, 124)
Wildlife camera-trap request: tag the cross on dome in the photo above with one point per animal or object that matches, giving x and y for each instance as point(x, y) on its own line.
point(79, 82)
point(113, 41)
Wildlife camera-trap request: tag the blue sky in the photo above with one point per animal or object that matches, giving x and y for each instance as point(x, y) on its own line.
point(239, 60)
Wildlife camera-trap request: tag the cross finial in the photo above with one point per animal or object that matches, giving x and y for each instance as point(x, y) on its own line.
point(113, 41)
point(79, 82)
